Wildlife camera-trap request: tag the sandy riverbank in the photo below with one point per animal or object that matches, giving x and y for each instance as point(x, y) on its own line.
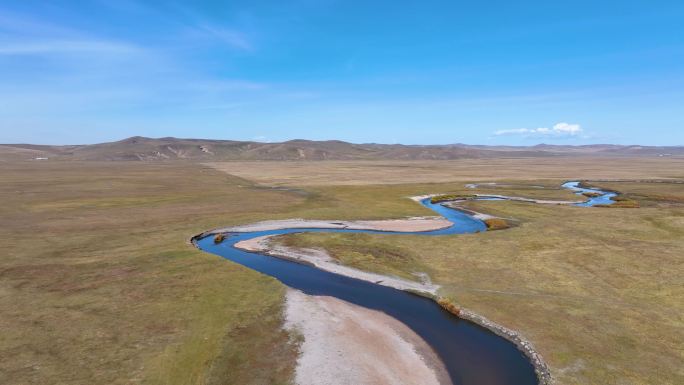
point(345, 344)
point(403, 225)
point(322, 260)
point(419, 198)
point(529, 200)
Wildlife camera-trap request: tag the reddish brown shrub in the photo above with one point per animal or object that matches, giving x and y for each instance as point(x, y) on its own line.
point(449, 306)
point(218, 238)
point(496, 224)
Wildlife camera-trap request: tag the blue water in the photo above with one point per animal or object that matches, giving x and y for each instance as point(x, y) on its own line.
point(472, 355)
point(603, 199)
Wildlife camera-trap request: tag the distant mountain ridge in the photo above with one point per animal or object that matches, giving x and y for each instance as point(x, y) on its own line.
point(140, 148)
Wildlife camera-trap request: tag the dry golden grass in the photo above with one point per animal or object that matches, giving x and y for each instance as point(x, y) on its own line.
point(401, 172)
point(98, 284)
point(111, 293)
point(597, 291)
point(649, 194)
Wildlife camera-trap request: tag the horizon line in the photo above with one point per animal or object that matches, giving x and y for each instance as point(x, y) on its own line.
point(344, 141)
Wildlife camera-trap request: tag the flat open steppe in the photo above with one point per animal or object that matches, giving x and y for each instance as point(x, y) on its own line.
point(99, 285)
point(441, 171)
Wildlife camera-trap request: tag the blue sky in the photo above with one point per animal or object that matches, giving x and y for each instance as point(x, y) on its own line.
point(497, 72)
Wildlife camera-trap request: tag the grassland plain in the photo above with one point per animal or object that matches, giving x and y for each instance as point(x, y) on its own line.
point(431, 171)
point(97, 284)
point(598, 291)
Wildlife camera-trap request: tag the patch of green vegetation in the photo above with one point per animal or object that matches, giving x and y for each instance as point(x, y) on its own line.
point(361, 251)
point(660, 194)
point(620, 203)
point(110, 292)
point(451, 197)
point(624, 202)
point(269, 361)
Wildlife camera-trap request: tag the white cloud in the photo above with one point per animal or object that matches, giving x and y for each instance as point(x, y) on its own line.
point(558, 130)
point(566, 128)
point(231, 37)
point(23, 35)
point(65, 46)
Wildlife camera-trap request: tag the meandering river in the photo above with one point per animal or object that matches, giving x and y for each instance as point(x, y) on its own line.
point(471, 354)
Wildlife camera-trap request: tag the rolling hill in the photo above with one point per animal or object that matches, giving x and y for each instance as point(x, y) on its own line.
point(160, 149)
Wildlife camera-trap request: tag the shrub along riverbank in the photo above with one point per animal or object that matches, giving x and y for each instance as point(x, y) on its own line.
point(496, 223)
point(451, 197)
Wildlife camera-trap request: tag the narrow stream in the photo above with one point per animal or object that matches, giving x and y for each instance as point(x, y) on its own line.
point(603, 197)
point(471, 354)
